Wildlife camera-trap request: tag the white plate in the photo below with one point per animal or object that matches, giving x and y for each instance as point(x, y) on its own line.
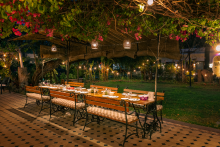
point(124, 98)
point(133, 94)
point(84, 92)
point(77, 91)
point(44, 86)
point(105, 95)
point(124, 93)
point(134, 99)
point(113, 96)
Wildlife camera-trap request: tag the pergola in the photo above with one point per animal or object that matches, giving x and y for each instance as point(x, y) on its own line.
point(73, 49)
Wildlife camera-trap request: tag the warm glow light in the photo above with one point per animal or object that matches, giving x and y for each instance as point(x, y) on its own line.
point(213, 73)
point(94, 44)
point(183, 68)
point(117, 73)
point(127, 44)
point(210, 65)
point(194, 74)
point(90, 68)
point(79, 67)
point(187, 71)
point(63, 62)
point(16, 58)
point(5, 66)
point(154, 62)
point(150, 2)
point(128, 72)
point(4, 55)
point(143, 64)
point(107, 69)
point(218, 48)
point(95, 68)
point(134, 70)
point(53, 48)
point(147, 60)
point(112, 71)
point(205, 75)
point(178, 66)
point(139, 67)
point(141, 7)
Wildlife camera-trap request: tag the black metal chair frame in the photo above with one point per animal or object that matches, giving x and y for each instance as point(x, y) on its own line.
point(78, 113)
point(7, 84)
point(44, 92)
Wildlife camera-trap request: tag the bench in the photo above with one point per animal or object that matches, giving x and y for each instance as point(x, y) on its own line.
point(36, 93)
point(5, 83)
point(112, 110)
point(100, 88)
point(75, 84)
point(66, 100)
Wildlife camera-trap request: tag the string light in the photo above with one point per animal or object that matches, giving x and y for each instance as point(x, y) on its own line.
point(128, 72)
point(213, 73)
point(178, 66)
point(127, 44)
point(139, 67)
point(53, 48)
point(79, 67)
point(107, 69)
point(94, 44)
point(143, 64)
point(205, 75)
point(16, 58)
point(141, 7)
point(63, 62)
point(4, 55)
point(147, 60)
point(94, 68)
point(154, 62)
point(112, 71)
point(90, 68)
point(117, 73)
point(194, 74)
point(183, 69)
point(5, 66)
point(134, 70)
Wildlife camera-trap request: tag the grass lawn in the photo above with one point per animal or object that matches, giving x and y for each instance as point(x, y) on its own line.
point(199, 104)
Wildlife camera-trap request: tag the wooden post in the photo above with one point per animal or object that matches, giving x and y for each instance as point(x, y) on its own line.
point(183, 76)
point(157, 61)
point(67, 63)
point(78, 72)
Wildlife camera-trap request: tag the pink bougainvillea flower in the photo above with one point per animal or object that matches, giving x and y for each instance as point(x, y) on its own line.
point(177, 37)
point(19, 22)
point(13, 12)
point(34, 14)
point(197, 36)
point(196, 32)
point(14, 1)
point(137, 36)
point(50, 33)
point(170, 36)
point(100, 38)
point(11, 19)
point(2, 20)
point(27, 24)
point(138, 28)
point(1, 4)
point(16, 32)
point(108, 22)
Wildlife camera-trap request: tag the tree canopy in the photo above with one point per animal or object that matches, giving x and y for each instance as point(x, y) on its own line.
point(88, 20)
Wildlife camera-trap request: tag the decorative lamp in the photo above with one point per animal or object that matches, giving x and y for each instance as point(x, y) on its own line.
point(53, 48)
point(127, 44)
point(141, 7)
point(94, 44)
point(150, 2)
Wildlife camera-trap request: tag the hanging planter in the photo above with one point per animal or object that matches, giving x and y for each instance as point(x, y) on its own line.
point(53, 48)
point(127, 44)
point(94, 44)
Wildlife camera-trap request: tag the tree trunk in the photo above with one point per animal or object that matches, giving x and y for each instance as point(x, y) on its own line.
point(23, 76)
point(55, 77)
point(78, 72)
point(49, 66)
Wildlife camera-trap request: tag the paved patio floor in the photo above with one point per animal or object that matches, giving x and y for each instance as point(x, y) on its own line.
point(25, 127)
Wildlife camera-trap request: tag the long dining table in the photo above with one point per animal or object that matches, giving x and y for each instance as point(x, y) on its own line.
point(145, 105)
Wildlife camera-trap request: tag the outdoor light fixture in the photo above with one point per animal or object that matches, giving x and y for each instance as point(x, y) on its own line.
point(141, 7)
point(94, 44)
point(127, 44)
point(63, 62)
point(218, 48)
point(210, 65)
point(53, 48)
point(150, 2)
point(4, 55)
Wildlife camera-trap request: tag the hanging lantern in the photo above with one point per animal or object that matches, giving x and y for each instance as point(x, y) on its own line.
point(94, 44)
point(127, 44)
point(53, 48)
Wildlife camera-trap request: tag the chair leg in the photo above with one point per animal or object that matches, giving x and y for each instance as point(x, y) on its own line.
point(74, 118)
point(137, 129)
point(41, 107)
point(161, 116)
point(85, 122)
point(125, 134)
point(50, 109)
point(26, 102)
